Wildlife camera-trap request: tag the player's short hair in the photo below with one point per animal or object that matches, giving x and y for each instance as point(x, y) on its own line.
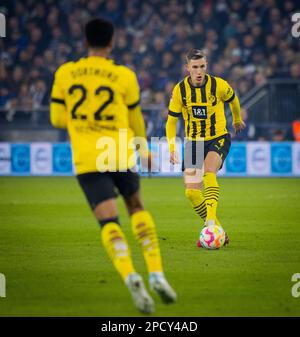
point(99, 32)
point(195, 54)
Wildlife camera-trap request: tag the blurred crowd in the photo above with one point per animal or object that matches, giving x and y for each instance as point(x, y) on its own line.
point(246, 42)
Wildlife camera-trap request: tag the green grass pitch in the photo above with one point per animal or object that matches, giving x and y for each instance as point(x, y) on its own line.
point(51, 255)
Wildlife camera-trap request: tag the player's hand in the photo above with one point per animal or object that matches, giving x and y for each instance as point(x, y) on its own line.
point(239, 126)
point(174, 158)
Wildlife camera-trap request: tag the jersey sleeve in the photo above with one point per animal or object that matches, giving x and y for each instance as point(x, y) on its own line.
point(58, 112)
point(132, 97)
point(175, 105)
point(57, 94)
point(226, 92)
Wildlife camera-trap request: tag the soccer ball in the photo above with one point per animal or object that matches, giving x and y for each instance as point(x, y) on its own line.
point(212, 237)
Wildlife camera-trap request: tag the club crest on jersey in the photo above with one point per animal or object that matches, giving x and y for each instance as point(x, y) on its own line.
point(211, 98)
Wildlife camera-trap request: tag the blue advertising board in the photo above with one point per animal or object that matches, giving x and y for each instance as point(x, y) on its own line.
point(62, 158)
point(244, 159)
point(236, 161)
point(20, 159)
point(281, 158)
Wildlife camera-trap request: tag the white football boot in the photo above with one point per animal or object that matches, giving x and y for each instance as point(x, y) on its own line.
point(140, 296)
point(160, 285)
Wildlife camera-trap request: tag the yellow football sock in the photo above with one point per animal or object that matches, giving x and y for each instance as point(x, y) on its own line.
point(116, 246)
point(144, 231)
point(198, 202)
point(211, 193)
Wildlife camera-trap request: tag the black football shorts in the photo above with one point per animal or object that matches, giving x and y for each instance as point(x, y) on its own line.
point(221, 145)
point(100, 186)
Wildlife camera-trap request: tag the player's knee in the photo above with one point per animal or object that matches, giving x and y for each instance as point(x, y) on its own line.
point(212, 166)
point(106, 209)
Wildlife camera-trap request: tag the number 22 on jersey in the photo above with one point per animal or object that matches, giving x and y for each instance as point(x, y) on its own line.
point(104, 94)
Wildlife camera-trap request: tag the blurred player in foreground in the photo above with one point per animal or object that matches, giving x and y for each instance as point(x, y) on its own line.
point(200, 99)
point(94, 99)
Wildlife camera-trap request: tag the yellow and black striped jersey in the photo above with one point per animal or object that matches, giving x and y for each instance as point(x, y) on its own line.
point(202, 107)
point(96, 96)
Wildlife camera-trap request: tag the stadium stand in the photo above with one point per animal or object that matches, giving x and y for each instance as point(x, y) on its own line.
point(248, 43)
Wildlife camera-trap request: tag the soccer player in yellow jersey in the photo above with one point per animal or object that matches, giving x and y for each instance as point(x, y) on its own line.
point(94, 99)
point(200, 99)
